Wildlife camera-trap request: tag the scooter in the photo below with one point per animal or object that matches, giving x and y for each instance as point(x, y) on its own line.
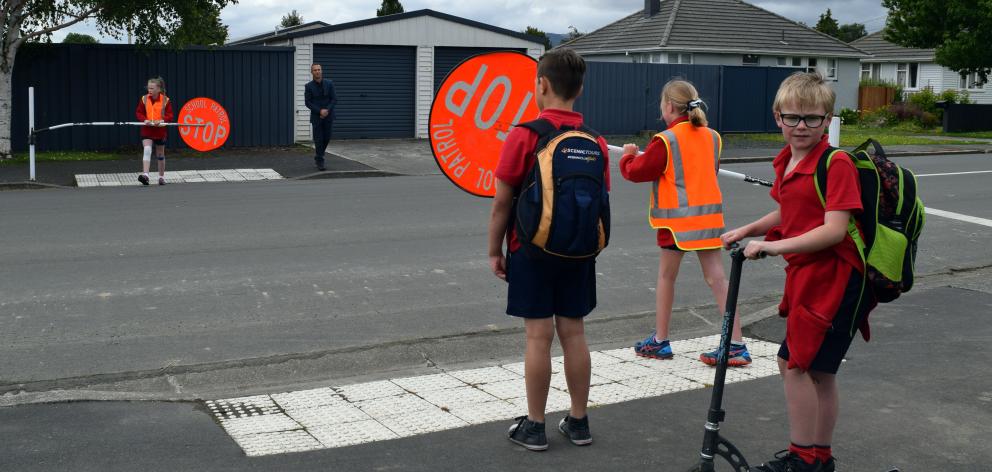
point(713, 444)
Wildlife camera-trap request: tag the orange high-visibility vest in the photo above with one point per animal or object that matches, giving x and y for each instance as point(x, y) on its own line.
point(155, 111)
point(686, 199)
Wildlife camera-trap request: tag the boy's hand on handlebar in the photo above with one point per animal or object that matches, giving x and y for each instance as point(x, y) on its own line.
point(730, 237)
point(759, 249)
point(630, 148)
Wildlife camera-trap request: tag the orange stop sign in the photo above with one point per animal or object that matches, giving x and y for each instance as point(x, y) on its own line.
point(216, 125)
point(473, 111)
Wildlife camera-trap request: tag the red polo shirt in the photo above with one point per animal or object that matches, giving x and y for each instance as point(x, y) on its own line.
point(517, 157)
point(814, 282)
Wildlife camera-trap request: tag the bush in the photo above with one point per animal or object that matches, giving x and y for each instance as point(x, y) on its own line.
point(879, 118)
point(954, 96)
point(928, 120)
point(925, 100)
point(849, 116)
point(905, 112)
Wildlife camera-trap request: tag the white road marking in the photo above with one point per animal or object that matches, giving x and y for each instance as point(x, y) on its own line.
point(341, 416)
point(956, 173)
point(130, 179)
point(959, 217)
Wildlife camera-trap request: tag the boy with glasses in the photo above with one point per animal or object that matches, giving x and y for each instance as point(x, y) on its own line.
point(826, 300)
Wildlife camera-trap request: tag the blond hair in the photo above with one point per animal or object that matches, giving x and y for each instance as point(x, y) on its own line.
point(805, 90)
point(160, 82)
point(684, 97)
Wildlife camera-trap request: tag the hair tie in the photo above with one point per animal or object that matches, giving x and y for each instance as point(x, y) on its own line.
point(694, 104)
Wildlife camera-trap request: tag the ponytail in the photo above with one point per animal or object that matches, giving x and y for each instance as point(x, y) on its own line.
point(684, 97)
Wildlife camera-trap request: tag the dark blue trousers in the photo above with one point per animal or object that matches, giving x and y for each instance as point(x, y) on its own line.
point(321, 136)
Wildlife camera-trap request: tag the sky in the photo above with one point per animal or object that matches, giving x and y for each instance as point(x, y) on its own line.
point(250, 17)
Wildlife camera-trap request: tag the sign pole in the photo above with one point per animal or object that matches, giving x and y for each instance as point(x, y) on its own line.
point(31, 132)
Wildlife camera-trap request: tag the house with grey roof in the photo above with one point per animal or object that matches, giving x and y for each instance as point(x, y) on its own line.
point(724, 32)
point(915, 69)
point(386, 69)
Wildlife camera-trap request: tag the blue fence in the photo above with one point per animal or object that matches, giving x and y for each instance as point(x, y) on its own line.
point(623, 98)
point(103, 82)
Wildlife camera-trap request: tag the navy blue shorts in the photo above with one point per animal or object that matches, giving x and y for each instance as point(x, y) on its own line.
point(540, 288)
point(843, 327)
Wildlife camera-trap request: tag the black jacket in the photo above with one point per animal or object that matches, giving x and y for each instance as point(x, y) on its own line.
point(318, 96)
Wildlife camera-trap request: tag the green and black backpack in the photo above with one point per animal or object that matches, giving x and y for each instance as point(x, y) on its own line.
point(891, 222)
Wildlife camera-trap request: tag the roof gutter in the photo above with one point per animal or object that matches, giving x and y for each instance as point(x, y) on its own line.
point(770, 52)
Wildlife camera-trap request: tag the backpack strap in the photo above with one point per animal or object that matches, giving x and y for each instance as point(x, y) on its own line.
point(540, 126)
point(820, 181)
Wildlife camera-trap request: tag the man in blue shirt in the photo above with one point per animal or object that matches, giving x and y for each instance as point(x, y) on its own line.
point(320, 99)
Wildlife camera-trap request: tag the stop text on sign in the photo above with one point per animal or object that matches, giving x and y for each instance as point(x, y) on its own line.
point(472, 114)
point(216, 124)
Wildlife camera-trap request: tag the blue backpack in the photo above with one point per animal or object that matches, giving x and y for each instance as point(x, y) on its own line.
point(563, 208)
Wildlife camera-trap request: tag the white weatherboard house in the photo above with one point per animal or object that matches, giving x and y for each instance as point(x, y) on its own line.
point(915, 69)
point(724, 32)
point(386, 69)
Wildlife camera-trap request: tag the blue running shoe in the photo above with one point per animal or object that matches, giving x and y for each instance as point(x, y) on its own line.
point(739, 356)
point(651, 347)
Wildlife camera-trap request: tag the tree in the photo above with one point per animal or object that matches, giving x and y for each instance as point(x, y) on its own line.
point(292, 18)
point(173, 22)
point(828, 25)
point(389, 7)
point(572, 34)
point(78, 38)
point(540, 35)
point(960, 31)
point(852, 31)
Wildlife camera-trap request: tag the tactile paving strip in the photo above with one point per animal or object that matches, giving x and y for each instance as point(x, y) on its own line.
point(130, 179)
point(346, 415)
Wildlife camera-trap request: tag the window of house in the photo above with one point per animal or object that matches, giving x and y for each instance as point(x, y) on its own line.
point(797, 62)
point(914, 76)
point(876, 71)
point(865, 71)
point(811, 64)
point(972, 81)
point(831, 68)
point(679, 58)
point(902, 72)
point(751, 60)
point(780, 61)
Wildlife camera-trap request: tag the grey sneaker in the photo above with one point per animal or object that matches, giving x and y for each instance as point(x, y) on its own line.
point(576, 430)
point(528, 434)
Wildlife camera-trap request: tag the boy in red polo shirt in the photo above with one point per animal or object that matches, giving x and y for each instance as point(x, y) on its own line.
point(826, 300)
point(550, 296)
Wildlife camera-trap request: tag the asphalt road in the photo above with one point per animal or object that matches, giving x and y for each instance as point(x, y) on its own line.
point(111, 285)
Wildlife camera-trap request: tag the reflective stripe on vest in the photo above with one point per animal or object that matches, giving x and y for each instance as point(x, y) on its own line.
point(687, 199)
point(155, 110)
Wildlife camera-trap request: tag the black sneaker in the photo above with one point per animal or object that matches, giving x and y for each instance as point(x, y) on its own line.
point(143, 179)
point(528, 434)
point(786, 461)
point(161, 181)
point(576, 430)
point(828, 466)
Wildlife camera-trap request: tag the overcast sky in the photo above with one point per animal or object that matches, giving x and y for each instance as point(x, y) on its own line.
point(251, 17)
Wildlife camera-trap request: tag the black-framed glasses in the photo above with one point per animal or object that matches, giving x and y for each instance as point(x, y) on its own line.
point(812, 121)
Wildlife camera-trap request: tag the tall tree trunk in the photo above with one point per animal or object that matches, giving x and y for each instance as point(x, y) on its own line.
point(5, 111)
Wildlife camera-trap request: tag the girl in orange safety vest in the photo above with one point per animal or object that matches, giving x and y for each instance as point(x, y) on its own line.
point(686, 207)
point(154, 109)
